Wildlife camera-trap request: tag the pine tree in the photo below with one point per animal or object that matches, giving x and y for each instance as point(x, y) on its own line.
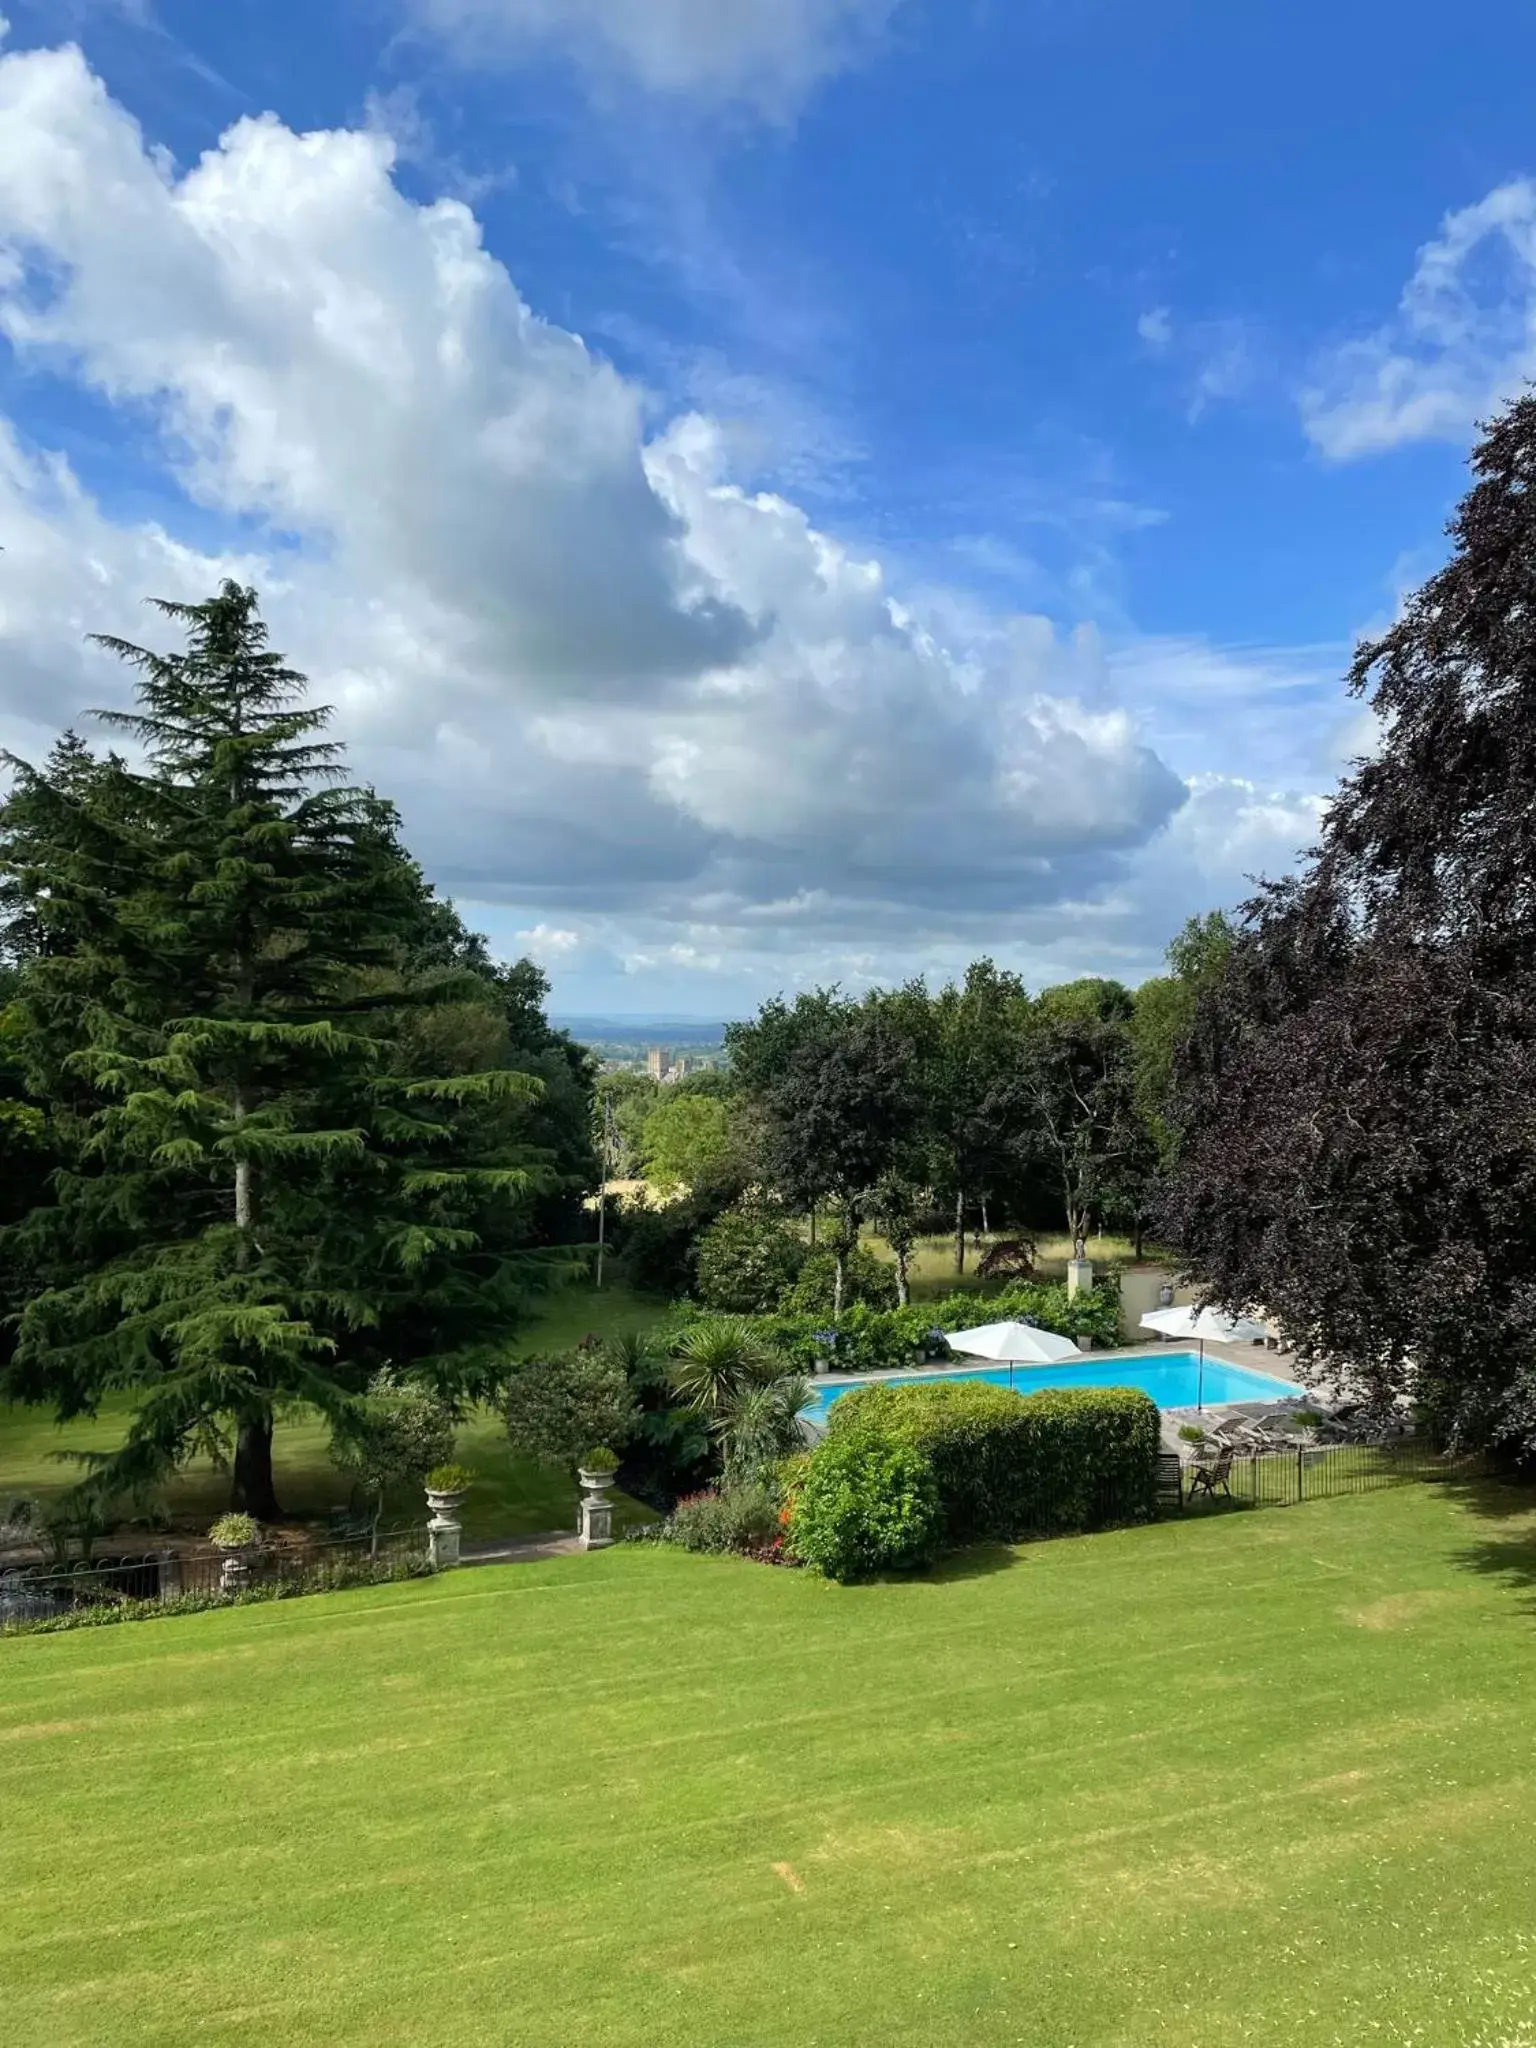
point(262, 1203)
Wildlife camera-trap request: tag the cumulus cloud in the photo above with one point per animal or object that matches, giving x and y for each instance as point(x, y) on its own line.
point(1462, 341)
point(653, 712)
point(769, 53)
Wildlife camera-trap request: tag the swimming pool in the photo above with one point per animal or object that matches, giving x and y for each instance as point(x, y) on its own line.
point(1174, 1379)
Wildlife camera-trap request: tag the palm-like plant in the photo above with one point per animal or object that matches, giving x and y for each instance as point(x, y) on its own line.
point(719, 1361)
point(761, 1426)
point(631, 1349)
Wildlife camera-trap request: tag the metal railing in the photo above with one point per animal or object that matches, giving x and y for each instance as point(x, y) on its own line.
point(1288, 1474)
point(42, 1589)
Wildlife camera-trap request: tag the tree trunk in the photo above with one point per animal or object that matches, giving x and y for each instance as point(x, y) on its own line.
point(1078, 1218)
point(960, 1230)
point(1138, 1237)
point(839, 1271)
point(984, 1229)
point(903, 1295)
point(813, 1226)
point(254, 1491)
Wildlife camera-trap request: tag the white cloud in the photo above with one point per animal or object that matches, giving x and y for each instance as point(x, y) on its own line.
point(546, 942)
point(769, 53)
point(646, 709)
point(1463, 339)
point(1156, 327)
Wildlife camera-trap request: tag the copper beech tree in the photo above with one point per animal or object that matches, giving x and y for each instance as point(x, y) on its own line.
point(1357, 1101)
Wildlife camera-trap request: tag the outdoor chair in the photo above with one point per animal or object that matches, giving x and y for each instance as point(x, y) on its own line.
point(1239, 1435)
point(1207, 1473)
point(1275, 1432)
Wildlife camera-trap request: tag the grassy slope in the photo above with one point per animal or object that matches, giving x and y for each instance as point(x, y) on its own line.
point(514, 1496)
point(1258, 1778)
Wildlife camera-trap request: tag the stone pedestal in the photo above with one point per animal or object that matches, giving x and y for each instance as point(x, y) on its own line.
point(594, 1514)
point(171, 1578)
point(1079, 1277)
point(444, 1530)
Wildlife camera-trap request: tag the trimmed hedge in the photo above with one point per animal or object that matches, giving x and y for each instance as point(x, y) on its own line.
point(1009, 1465)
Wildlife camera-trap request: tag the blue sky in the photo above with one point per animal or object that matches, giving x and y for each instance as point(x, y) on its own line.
point(989, 428)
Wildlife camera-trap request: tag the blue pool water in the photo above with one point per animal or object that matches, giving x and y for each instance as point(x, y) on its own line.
point(1174, 1379)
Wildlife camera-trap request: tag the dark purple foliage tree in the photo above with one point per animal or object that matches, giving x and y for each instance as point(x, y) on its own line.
point(1357, 1101)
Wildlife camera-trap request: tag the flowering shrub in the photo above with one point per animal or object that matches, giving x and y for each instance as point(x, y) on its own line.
point(739, 1520)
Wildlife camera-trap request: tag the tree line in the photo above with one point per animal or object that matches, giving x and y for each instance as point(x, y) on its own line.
point(977, 1102)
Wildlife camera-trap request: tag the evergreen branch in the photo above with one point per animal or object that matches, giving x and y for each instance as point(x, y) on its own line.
point(411, 1248)
point(505, 1085)
point(490, 1179)
point(268, 1147)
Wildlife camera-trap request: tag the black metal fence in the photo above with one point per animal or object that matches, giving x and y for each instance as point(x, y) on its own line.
point(1286, 1475)
point(42, 1589)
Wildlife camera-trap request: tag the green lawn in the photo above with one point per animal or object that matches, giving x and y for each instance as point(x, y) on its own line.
point(932, 1268)
point(512, 1496)
point(1259, 1778)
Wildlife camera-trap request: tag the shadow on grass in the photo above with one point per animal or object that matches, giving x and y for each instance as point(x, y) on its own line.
point(1508, 1555)
point(980, 1561)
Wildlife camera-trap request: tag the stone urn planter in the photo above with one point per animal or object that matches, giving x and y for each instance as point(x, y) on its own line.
point(236, 1538)
point(446, 1489)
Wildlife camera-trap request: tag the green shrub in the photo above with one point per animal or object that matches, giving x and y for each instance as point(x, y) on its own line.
point(235, 1532)
point(392, 1438)
point(739, 1519)
point(600, 1460)
point(891, 1340)
point(745, 1261)
point(668, 1452)
point(557, 1408)
point(450, 1479)
point(789, 1476)
point(1009, 1465)
point(865, 1505)
point(1191, 1433)
point(1094, 1313)
point(867, 1281)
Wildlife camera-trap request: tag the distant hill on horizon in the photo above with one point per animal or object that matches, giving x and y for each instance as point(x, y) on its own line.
point(630, 1030)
